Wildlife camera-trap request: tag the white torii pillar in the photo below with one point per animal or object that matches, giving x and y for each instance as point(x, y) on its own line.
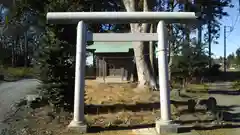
point(80, 18)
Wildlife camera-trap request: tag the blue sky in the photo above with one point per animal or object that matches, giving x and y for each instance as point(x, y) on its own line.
point(234, 37)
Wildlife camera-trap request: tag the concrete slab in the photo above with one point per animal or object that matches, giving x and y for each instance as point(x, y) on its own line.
point(152, 131)
point(166, 127)
point(145, 131)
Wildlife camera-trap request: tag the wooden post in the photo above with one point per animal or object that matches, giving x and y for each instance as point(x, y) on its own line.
point(122, 70)
point(103, 69)
point(94, 64)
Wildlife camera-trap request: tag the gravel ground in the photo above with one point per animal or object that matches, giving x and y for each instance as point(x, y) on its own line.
point(10, 93)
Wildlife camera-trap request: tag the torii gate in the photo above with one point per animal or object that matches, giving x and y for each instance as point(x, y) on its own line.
point(162, 125)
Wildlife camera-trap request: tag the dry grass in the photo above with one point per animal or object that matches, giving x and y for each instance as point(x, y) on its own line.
point(99, 93)
point(119, 105)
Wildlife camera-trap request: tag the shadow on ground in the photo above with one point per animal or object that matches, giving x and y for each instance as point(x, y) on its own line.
point(103, 109)
point(227, 108)
point(228, 76)
point(224, 92)
point(218, 91)
point(227, 116)
point(231, 117)
point(95, 129)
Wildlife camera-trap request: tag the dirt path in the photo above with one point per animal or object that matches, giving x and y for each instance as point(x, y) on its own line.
point(229, 98)
point(225, 96)
point(10, 93)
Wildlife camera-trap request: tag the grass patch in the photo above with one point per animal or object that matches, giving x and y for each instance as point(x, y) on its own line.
point(236, 85)
point(13, 74)
point(197, 88)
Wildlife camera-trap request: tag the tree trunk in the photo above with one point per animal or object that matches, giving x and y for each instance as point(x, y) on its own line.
point(25, 50)
point(152, 52)
point(209, 44)
point(171, 42)
point(144, 72)
point(200, 35)
point(13, 51)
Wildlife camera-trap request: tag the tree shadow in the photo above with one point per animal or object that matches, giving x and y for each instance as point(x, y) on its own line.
point(227, 117)
point(104, 109)
point(186, 111)
point(181, 129)
point(231, 117)
point(214, 127)
point(224, 92)
point(95, 129)
point(227, 108)
point(218, 91)
point(228, 76)
point(184, 122)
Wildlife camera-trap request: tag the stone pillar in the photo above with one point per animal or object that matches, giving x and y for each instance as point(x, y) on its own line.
point(163, 125)
point(78, 116)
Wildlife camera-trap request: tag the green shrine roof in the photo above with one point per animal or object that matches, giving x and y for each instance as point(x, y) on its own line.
point(110, 47)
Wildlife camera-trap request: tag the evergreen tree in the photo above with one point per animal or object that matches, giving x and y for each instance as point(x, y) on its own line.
point(56, 53)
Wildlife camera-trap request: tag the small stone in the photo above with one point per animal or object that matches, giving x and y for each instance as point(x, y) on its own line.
point(1, 77)
point(212, 104)
point(32, 97)
point(175, 93)
point(201, 104)
point(145, 131)
point(191, 105)
point(33, 100)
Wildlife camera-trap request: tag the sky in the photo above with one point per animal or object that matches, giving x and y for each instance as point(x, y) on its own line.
point(233, 38)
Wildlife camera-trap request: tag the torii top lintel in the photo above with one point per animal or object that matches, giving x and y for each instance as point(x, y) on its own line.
point(120, 17)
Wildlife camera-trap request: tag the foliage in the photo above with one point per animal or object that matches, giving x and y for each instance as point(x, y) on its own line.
point(233, 60)
point(191, 63)
point(237, 57)
point(56, 61)
point(57, 70)
point(212, 11)
point(214, 70)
